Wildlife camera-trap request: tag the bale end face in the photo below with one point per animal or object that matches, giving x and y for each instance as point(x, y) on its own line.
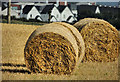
point(101, 40)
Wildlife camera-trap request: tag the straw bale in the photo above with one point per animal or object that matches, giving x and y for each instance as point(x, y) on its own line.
point(101, 40)
point(53, 48)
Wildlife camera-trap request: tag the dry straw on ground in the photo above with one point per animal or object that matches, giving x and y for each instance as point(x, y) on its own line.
point(54, 48)
point(14, 37)
point(101, 40)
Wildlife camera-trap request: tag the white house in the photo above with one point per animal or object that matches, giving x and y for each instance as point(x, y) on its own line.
point(97, 10)
point(15, 13)
point(4, 12)
point(50, 13)
point(55, 14)
point(66, 14)
point(31, 12)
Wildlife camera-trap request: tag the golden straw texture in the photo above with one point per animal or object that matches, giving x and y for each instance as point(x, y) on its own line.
point(101, 40)
point(53, 48)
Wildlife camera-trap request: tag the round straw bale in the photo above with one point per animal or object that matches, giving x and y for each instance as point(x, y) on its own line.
point(53, 48)
point(101, 40)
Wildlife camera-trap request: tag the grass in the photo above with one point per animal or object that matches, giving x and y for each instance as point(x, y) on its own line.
point(25, 22)
point(14, 37)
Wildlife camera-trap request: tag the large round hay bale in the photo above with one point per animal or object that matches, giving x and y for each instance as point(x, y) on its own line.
point(101, 40)
point(54, 48)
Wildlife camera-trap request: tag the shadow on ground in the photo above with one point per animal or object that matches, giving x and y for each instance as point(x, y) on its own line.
point(16, 70)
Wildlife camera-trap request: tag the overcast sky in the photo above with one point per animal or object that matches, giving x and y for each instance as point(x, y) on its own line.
point(62, 0)
point(92, 0)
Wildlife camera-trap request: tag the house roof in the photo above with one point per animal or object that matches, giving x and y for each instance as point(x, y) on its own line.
point(38, 8)
point(47, 9)
point(4, 6)
point(70, 18)
point(61, 8)
point(27, 8)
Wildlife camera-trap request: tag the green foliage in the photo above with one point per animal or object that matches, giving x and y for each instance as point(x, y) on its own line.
point(111, 17)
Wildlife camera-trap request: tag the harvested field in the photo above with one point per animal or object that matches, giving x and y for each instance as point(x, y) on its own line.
point(14, 38)
point(53, 48)
point(101, 40)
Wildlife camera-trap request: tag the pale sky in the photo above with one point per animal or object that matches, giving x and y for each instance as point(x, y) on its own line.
point(92, 0)
point(62, 0)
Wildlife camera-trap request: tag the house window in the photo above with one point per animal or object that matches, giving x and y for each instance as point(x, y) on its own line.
point(31, 15)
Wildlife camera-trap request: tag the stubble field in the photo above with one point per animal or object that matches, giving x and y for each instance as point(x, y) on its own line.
point(14, 37)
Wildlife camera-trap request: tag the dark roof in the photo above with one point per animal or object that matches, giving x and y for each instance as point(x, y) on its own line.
point(4, 6)
point(47, 9)
point(40, 8)
point(70, 18)
point(27, 8)
point(61, 8)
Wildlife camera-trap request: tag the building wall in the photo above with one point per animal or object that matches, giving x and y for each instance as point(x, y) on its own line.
point(15, 13)
point(45, 17)
point(65, 14)
point(24, 16)
point(56, 14)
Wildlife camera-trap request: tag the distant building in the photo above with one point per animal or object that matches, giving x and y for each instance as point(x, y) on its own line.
point(15, 7)
point(31, 12)
point(56, 14)
point(15, 10)
point(97, 11)
point(66, 14)
point(50, 13)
